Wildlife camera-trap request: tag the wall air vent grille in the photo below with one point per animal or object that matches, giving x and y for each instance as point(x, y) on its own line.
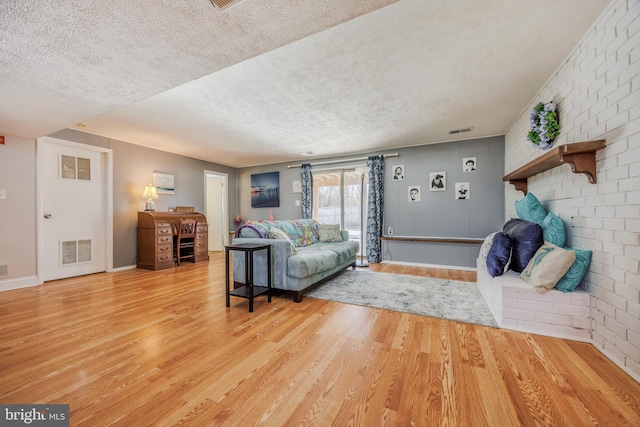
point(452, 132)
point(4, 270)
point(224, 4)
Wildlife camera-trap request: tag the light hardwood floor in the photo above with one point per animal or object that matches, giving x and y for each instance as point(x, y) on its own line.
point(144, 348)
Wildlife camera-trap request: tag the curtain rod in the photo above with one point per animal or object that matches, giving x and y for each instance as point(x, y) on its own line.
point(354, 159)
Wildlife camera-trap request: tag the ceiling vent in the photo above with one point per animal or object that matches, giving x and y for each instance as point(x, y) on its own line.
point(224, 4)
point(453, 132)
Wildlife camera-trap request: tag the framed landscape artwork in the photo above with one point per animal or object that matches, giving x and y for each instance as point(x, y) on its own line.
point(265, 190)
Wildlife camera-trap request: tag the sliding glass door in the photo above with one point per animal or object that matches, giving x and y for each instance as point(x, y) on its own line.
point(336, 200)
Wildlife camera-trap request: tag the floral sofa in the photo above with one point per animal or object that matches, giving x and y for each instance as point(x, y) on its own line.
point(303, 253)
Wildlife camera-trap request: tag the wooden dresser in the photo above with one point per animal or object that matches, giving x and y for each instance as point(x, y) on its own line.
point(156, 231)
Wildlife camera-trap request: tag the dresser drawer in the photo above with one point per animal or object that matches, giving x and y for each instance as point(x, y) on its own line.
point(164, 239)
point(165, 248)
point(201, 244)
point(201, 251)
point(164, 231)
point(164, 257)
point(200, 228)
point(201, 236)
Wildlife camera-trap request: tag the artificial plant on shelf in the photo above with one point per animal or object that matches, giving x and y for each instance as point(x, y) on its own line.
point(544, 125)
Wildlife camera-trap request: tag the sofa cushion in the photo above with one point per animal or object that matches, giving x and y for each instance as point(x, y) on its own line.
point(553, 230)
point(530, 209)
point(526, 239)
point(572, 278)
point(499, 255)
point(311, 262)
point(275, 233)
point(547, 266)
point(329, 233)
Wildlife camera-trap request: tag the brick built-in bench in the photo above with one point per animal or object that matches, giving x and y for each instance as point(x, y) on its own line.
point(516, 305)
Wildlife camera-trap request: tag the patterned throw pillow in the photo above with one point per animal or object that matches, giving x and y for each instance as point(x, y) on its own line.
point(553, 230)
point(576, 272)
point(530, 209)
point(329, 233)
point(276, 233)
point(547, 266)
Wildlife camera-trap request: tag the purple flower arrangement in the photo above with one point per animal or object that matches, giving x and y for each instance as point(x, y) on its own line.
point(544, 125)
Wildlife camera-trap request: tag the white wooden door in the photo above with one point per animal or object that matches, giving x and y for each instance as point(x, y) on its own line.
point(73, 198)
point(216, 210)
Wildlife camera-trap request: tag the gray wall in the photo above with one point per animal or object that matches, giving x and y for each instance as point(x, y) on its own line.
point(439, 214)
point(18, 212)
point(133, 166)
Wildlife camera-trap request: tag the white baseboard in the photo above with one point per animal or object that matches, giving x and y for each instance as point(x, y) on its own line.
point(19, 283)
point(443, 267)
point(126, 267)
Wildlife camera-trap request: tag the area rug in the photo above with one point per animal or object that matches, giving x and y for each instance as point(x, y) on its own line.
point(446, 299)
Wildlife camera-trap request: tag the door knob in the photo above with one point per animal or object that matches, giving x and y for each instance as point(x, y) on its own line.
point(47, 216)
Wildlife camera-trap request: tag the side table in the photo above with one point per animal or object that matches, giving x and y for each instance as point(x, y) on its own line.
point(248, 290)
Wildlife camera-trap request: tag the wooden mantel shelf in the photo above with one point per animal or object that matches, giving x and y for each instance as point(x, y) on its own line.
point(580, 155)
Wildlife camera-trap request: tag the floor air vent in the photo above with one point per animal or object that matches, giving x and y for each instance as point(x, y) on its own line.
point(224, 4)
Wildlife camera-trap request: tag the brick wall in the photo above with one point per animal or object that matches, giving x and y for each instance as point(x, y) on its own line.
point(597, 89)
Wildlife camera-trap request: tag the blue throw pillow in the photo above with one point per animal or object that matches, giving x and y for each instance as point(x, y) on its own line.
point(526, 239)
point(576, 272)
point(530, 209)
point(553, 230)
point(499, 254)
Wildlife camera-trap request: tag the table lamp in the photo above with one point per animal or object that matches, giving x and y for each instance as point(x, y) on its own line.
point(150, 193)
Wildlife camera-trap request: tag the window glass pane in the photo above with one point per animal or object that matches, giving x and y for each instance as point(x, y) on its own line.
point(84, 169)
point(327, 199)
point(68, 167)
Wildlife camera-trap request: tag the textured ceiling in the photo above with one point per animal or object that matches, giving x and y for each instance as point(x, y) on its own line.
point(265, 81)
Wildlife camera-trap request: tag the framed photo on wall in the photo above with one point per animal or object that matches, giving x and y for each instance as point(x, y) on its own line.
point(415, 193)
point(398, 172)
point(469, 164)
point(463, 191)
point(438, 181)
point(296, 186)
point(164, 183)
point(265, 190)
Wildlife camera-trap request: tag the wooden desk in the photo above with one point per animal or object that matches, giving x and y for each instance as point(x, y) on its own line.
point(156, 231)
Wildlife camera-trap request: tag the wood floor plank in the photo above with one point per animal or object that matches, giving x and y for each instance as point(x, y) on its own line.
point(160, 348)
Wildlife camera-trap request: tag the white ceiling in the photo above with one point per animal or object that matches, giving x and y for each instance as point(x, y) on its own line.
point(268, 80)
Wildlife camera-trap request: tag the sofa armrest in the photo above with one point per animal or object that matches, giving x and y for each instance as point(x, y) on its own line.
point(280, 253)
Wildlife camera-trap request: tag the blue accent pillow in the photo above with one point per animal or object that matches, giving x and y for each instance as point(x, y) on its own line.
point(576, 272)
point(530, 209)
point(499, 254)
point(553, 230)
point(526, 239)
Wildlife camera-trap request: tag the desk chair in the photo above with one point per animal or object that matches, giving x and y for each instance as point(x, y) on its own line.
point(185, 240)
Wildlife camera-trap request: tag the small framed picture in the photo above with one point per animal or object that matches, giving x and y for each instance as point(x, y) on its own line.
point(398, 172)
point(462, 191)
point(438, 181)
point(469, 164)
point(414, 193)
point(296, 186)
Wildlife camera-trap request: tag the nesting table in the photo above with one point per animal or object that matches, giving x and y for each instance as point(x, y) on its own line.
point(248, 290)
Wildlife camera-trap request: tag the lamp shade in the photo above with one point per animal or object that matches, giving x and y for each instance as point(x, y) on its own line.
point(150, 192)
point(362, 170)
